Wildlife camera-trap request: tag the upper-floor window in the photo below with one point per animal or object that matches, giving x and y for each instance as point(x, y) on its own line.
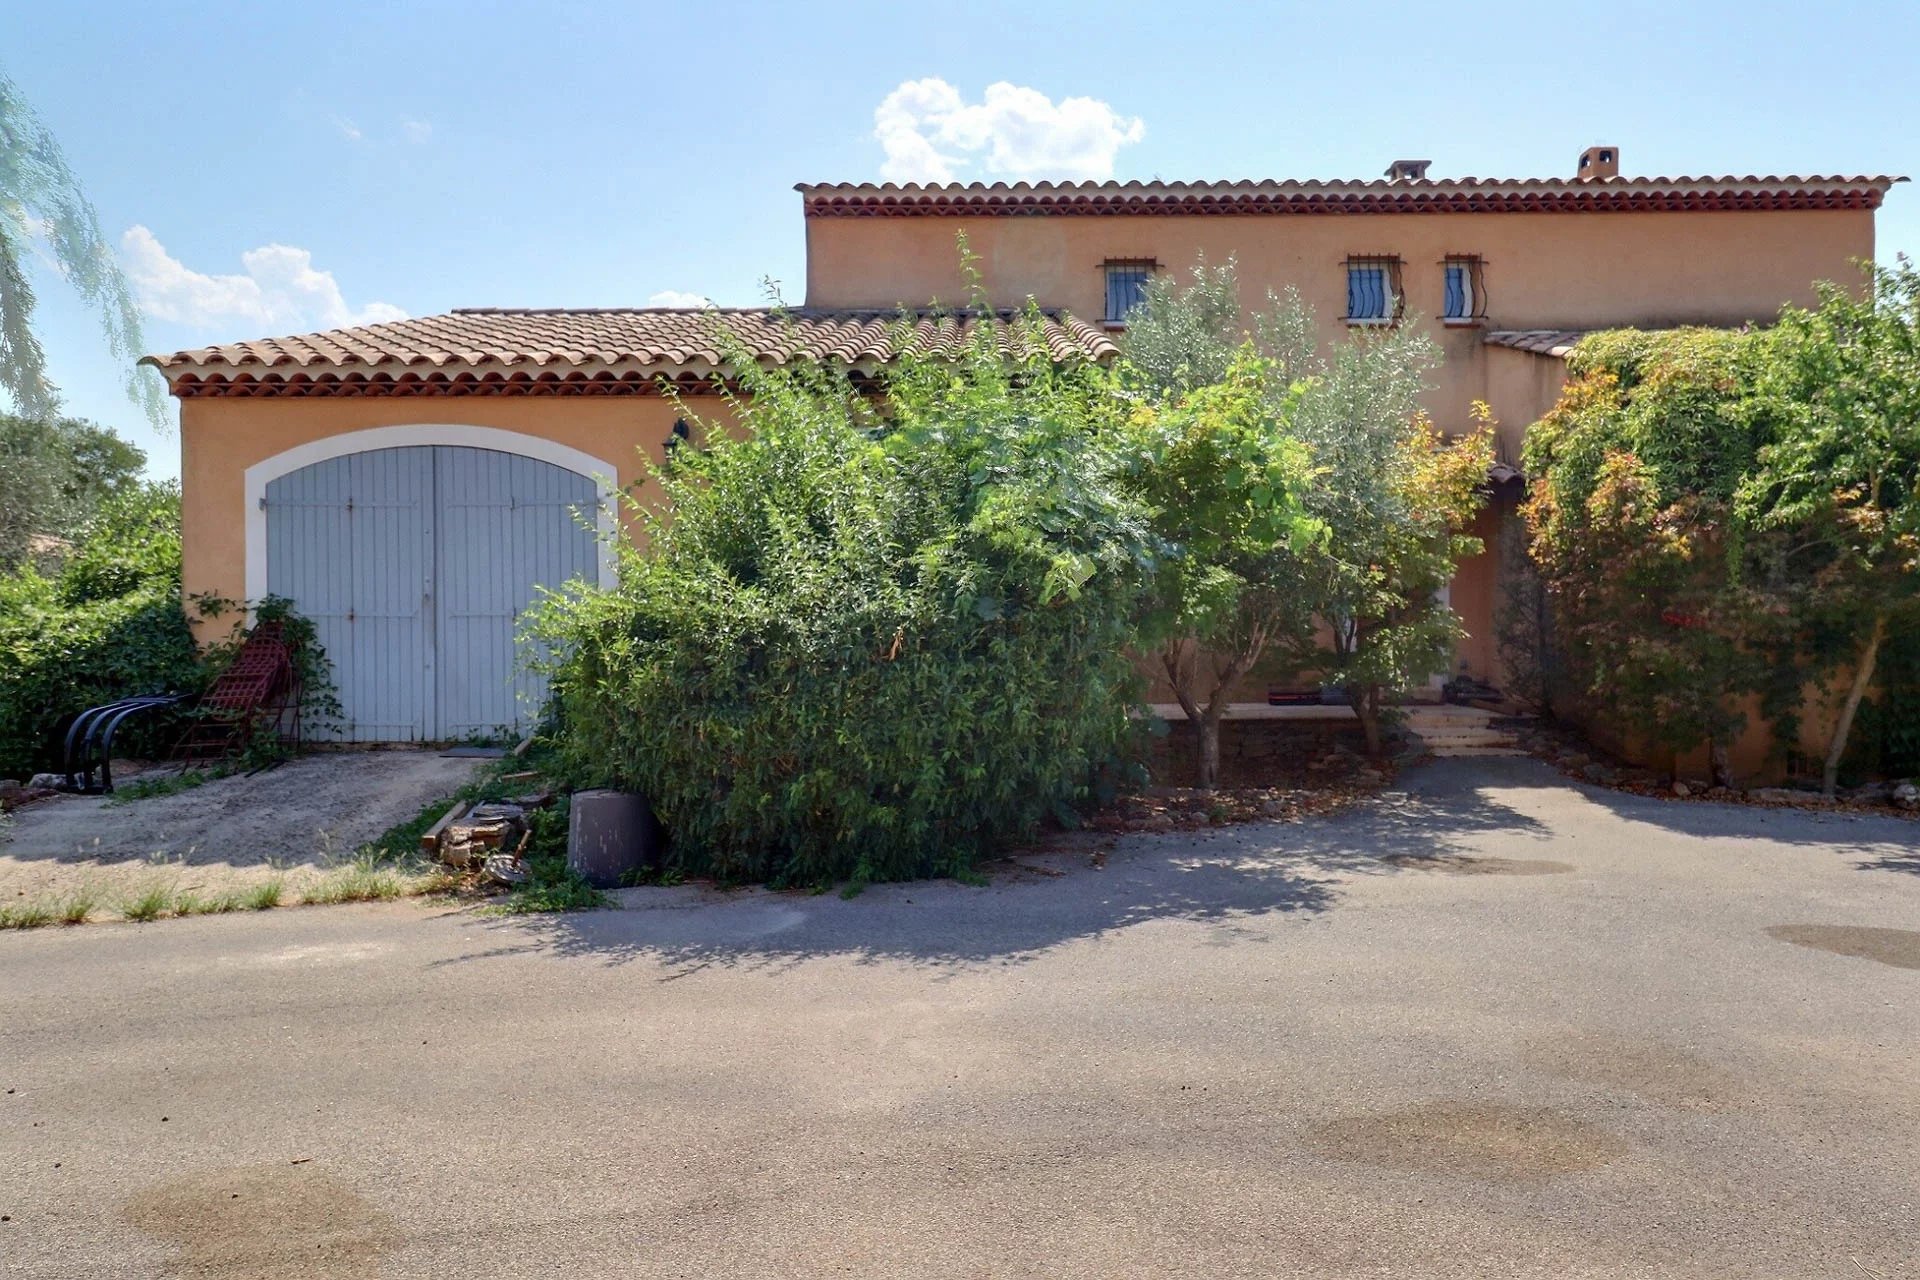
point(1465, 295)
point(1373, 290)
point(1126, 287)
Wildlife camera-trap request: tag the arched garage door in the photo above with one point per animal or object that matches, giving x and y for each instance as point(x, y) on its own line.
point(415, 565)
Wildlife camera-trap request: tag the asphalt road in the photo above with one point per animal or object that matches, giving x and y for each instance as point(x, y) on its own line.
point(1601, 1036)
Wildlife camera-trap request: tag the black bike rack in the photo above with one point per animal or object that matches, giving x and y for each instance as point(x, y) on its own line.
point(89, 740)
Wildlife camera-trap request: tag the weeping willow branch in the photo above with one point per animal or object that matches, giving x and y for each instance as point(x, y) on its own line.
point(41, 203)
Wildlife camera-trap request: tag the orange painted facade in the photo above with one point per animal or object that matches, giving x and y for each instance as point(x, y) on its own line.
point(1578, 271)
point(1562, 256)
point(221, 437)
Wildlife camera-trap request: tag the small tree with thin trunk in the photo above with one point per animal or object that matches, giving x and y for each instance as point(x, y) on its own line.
point(1223, 478)
point(1389, 558)
point(1393, 496)
point(1841, 476)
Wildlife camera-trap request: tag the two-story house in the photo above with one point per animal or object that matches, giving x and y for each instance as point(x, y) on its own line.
point(410, 484)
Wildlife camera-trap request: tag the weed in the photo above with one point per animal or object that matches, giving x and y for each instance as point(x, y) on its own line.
point(551, 885)
point(264, 896)
point(218, 905)
point(355, 882)
point(167, 784)
point(28, 915)
point(78, 905)
point(150, 905)
point(968, 876)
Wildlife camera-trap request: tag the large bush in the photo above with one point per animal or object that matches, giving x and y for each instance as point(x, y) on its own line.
point(1721, 514)
point(882, 631)
point(1636, 470)
point(109, 625)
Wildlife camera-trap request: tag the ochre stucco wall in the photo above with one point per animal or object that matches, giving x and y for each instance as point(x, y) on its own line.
point(221, 437)
point(1541, 271)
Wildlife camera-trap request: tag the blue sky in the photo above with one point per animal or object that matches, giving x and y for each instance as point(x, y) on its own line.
point(273, 170)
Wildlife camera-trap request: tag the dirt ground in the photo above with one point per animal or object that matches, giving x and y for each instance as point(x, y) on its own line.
point(225, 834)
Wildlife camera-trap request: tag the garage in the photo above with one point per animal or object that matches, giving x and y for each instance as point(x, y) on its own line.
point(415, 564)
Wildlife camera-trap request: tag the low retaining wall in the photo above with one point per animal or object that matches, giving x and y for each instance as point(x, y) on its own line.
point(1268, 751)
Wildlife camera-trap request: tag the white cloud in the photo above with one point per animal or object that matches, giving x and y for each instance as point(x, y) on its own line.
point(678, 298)
point(280, 289)
point(348, 129)
point(416, 131)
point(930, 133)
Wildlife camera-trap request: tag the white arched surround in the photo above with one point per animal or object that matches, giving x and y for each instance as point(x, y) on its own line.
point(267, 470)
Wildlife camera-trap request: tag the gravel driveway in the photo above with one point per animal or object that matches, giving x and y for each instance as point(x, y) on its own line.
point(224, 834)
point(1492, 1025)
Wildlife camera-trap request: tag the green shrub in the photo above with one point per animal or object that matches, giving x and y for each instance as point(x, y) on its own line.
point(881, 632)
point(56, 659)
point(110, 624)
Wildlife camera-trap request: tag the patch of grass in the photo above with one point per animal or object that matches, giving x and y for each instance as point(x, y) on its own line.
point(151, 904)
point(26, 915)
point(371, 877)
point(355, 883)
point(169, 784)
point(551, 886)
point(190, 904)
point(265, 895)
point(403, 839)
point(78, 905)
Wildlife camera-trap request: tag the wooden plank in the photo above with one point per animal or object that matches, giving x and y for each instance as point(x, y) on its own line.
point(430, 839)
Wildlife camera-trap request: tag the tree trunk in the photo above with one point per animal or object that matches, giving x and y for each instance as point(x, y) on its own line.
point(1862, 678)
point(1366, 705)
point(1209, 729)
point(1718, 764)
point(1206, 727)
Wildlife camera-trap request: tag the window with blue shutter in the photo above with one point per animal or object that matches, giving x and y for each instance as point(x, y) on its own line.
point(1459, 291)
point(1465, 298)
point(1373, 290)
point(1126, 288)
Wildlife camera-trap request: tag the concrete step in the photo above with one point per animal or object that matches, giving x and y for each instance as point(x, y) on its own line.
point(1450, 752)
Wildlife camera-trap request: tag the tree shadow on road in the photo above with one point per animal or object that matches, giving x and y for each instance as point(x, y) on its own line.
point(1906, 861)
point(1236, 879)
point(1883, 841)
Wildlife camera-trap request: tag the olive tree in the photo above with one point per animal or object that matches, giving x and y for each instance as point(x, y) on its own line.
point(1393, 496)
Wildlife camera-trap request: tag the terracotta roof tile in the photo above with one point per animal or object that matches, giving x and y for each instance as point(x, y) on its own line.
point(1558, 343)
point(610, 351)
point(1380, 195)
